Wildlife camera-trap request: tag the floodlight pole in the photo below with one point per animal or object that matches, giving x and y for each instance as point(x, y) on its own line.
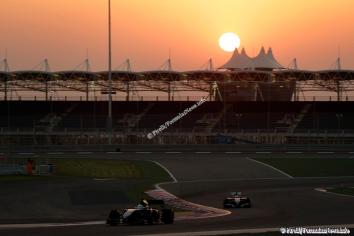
point(110, 128)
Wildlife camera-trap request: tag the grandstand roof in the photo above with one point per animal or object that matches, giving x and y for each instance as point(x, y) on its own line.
point(4, 76)
point(78, 75)
point(263, 61)
point(336, 74)
point(273, 60)
point(207, 75)
point(266, 61)
point(239, 61)
point(250, 75)
point(120, 75)
point(33, 75)
point(166, 76)
point(295, 75)
point(163, 75)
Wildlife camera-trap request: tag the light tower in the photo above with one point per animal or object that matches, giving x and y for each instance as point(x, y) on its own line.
point(109, 120)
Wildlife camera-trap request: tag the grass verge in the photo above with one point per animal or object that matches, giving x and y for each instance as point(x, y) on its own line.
point(133, 177)
point(312, 167)
point(113, 169)
point(141, 175)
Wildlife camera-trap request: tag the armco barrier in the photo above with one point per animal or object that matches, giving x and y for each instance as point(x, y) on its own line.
point(11, 169)
point(251, 148)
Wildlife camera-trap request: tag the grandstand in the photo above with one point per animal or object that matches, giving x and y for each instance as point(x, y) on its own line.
point(250, 100)
point(241, 79)
point(41, 122)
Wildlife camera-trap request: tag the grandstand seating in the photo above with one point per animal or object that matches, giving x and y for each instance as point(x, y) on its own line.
point(225, 117)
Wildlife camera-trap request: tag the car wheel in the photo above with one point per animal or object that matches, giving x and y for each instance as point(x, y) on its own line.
point(168, 216)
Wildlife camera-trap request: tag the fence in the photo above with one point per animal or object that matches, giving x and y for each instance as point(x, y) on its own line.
point(101, 138)
point(157, 98)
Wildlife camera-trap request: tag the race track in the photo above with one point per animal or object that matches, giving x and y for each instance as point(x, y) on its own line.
point(278, 201)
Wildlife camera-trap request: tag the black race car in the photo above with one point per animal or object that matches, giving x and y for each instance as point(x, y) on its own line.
point(236, 200)
point(142, 214)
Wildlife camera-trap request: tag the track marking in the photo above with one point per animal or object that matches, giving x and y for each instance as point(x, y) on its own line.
point(263, 152)
point(272, 167)
point(326, 177)
point(233, 152)
point(142, 152)
point(102, 179)
point(244, 231)
point(172, 200)
point(168, 172)
point(202, 152)
point(322, 190)
point(230, 179)
point(48, 225)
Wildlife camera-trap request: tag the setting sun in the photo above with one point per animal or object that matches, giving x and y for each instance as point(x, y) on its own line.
point(229, 42)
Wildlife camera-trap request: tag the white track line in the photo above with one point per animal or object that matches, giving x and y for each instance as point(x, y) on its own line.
point(244, 231)
point(168, 172)
point(272, 167)
point(322, 190)
point(229, 180)
point(326, 177)
point(100, 179)
point(47, 225)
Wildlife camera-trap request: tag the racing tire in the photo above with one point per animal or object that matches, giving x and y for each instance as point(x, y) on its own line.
point(167, 216)
point(150, 221)
point(114, 218)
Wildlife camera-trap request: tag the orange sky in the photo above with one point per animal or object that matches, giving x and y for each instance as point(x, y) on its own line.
point(145, 30)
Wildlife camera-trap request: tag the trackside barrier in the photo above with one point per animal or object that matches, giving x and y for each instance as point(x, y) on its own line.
point(251, 148)
point(12, 169)
point(45, 169)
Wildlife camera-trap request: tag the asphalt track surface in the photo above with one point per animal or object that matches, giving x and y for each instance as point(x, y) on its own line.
point(278, 201)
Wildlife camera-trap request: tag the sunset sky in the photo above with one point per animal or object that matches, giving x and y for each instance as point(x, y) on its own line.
point(145, 31)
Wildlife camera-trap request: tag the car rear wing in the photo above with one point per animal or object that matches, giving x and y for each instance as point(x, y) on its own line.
point(156, 202)
point(233, 194)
